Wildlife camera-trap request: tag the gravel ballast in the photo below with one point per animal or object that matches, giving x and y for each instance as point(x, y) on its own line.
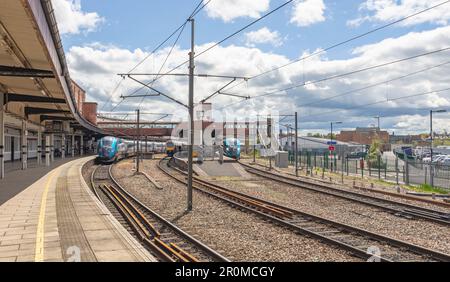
point(238, 235)
point(348, 183)
point(420, 232)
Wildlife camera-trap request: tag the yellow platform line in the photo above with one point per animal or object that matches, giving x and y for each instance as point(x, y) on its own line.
point(40, 238)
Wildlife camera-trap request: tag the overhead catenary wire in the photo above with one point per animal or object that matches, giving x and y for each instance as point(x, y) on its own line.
point(167, 58)
point(160, 69)
point(141, 62)
point(344, 42)
point(194, 13)
point(284, 90)
point(197, 9)
point(227, 38)
point(373, 85)
point(182, 26)
point(376, 103)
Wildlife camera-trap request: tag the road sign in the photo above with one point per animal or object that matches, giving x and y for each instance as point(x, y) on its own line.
point(331, 143)
point(332, 148)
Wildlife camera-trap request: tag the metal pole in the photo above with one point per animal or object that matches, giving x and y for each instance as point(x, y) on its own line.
point(256, 138)
point(138, 139)
point(2, 136)
point(323, 166)
point(362, 167)
point(24, 150)
point(191, 116)
point(396, 169)
point(431, 149)
point(269, 134)
point(406, 174)
point(146, 143)
point(315, 160)
point(331, 144)
point(296, 144)
point(347, 166)
point(379, 167)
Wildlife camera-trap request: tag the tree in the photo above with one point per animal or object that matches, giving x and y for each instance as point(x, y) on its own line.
point(375, 154)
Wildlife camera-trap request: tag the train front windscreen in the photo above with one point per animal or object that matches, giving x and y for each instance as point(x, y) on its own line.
point(232, 148)
point(106, 148)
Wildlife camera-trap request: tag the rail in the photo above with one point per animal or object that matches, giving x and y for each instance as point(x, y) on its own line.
point(355, 240)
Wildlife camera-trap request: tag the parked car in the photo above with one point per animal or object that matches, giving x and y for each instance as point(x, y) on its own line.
point(446, 162)
point(438, 159)
point(426, 160)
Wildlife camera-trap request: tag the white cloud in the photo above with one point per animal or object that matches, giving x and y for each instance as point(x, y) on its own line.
point(391, 10)
point(417, 123)
point(263, 36)
point(95, 67)
point(308, 12)
point(228, 10)
point(72, 20)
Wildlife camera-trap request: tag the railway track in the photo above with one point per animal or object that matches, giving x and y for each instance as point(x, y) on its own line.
point(162, 238)
point(362, 243)
point(397, 208)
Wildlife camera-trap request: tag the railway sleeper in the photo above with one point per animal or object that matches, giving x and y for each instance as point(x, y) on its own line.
point(141, 232)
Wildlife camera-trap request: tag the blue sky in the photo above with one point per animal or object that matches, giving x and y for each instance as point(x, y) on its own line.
point(114, 35)
point(144, 24)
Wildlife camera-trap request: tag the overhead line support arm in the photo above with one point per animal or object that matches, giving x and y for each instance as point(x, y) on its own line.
point(157, 91)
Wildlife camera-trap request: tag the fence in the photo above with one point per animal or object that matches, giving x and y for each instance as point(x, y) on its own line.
point(391, 169)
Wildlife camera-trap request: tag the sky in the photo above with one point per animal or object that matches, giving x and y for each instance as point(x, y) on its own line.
point(103, 38)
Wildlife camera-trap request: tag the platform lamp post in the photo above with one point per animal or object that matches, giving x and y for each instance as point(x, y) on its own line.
point(331, 138)
point(431, 143)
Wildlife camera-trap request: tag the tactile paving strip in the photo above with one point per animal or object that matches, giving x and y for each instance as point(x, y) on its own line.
point(70, 231)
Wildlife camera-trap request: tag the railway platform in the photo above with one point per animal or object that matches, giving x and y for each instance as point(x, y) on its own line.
point(58, 219)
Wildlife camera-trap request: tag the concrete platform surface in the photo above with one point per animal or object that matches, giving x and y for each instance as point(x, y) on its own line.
point(17, 180)
point(58, 218)
point(217, 169)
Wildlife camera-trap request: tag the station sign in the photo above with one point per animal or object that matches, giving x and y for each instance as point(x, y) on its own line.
point(332, 143)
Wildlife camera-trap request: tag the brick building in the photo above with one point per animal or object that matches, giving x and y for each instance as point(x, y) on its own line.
point(80, 96)
point(365, 136)
point(90, 112)
point(87, 109)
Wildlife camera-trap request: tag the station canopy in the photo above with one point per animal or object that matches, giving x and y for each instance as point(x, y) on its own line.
point(33, 72)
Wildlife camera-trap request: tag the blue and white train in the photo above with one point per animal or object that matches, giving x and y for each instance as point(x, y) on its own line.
point(111, 149)
point(231, 148)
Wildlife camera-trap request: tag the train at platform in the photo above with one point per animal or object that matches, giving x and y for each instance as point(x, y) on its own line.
point(231, 148)
point(112, 149)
